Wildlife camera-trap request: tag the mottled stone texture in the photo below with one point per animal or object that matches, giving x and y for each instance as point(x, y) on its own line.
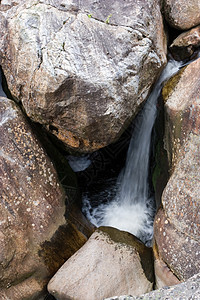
point(177, 225)
point(111, 262)
point(32, 206)
point(82, 68)
point(186, 44)
point(182, 14)
point(179, 251)
point(163, 275)
point(186, 290)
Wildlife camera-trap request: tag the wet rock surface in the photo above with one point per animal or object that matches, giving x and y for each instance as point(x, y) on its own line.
point(32, 203)
point(82, 68)
point(182, 14)
point(177, 225)
point(111, 262)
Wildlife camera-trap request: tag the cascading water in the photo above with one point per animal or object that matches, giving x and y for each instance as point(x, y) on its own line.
point(132, 209)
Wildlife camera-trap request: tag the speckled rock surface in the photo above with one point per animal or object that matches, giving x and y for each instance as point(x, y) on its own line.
point(189, 289)
point(32, 205)
point(110, 262)
point(177, 226)
point(179, 251)
point(182, 14)
point(185, 45)
point(82, 68)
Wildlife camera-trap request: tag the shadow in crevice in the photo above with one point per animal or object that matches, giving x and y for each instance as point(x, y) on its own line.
point(4, 90)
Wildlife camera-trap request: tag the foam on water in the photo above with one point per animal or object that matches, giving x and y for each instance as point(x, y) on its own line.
point(79, 163)
point(133, 208)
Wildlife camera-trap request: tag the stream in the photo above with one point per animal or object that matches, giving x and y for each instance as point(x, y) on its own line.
point(132, 207)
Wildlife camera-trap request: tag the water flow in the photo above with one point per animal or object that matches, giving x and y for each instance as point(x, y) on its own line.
point(132, 209)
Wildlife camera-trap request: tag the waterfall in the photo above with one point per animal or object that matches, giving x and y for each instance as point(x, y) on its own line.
point(134, 181)
point(132, 209)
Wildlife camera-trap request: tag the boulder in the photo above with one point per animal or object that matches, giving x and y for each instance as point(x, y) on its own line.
point(177, 224)
point(111, 262)
point(35, 238)
point(189, 289)
point(182, 14)
point(186, 44)
point(82, 68)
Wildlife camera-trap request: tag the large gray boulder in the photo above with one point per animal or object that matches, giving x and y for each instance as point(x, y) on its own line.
point(35, 238)
point(82, 68)
point(182, 14)
point(111, 262)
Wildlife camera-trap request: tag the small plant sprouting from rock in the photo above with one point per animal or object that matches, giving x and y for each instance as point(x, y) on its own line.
point(89, 16)
point(107, 21)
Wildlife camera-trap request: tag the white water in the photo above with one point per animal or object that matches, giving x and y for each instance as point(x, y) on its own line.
point(79, 163)
point(132, 209)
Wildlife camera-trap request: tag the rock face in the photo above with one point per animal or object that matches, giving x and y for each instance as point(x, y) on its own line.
point(111, 262)
point(163, 275)
point(32, 224)
point(177, 224)
point(182, 14)
point(185, 44)
point(82, 68)
point(186, 290)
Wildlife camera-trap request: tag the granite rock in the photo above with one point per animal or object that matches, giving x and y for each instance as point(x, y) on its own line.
point(182, 14)
point(82, 68)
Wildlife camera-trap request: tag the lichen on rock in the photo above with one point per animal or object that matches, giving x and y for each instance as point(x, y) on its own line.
point(78, 76)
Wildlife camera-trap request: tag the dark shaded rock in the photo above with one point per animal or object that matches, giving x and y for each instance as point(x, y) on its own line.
point(2, 94)
point(186, 44)
point(80, 71)
point(160, 174)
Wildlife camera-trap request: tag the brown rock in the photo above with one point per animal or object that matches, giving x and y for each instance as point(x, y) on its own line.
point(182, 14)
point(185, 45)
point(111, 262)
point(179, 251)
point(164, 276)
point(181, 97)
point(177, 226)
point(82, 68)
point(32, 224)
